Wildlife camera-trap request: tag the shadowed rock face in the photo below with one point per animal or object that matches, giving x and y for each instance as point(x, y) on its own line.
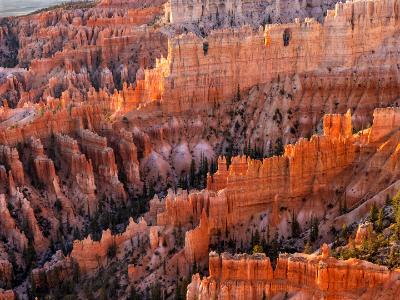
point(137, 136)
point(233, 12)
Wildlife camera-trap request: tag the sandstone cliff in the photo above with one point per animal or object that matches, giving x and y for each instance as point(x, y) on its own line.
point(81, 171)
point(298, 275)
point(102, 156)
point(91, 255)
point(311, 179)
point(244, 57)
point(9, 228)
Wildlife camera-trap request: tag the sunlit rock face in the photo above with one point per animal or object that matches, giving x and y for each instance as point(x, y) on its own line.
point(136, 137)
point(298, 275)
point(312, 178)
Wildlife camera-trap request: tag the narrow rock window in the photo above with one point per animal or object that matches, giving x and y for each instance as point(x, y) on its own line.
point(286, 37)
point(205, 48)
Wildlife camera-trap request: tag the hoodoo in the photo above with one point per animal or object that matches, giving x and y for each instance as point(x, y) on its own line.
point(214, 149)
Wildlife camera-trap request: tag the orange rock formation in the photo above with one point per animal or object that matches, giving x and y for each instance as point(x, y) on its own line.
point(102, 156)
point(91, 255)
point(239, 58)
point(298, 275)
point(304, 180)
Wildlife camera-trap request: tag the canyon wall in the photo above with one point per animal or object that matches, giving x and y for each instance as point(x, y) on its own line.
point(306, 168)
point(184, 11)
point(212, 69)
point(311, 179)
point(296, 275)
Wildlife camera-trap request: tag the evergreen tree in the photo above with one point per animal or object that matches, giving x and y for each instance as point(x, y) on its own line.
point(307, 248)
point(213, 167)
point(314, 229)
point(373, 213)
point(345, 206)
point(134, 295)
point(30, 256)
point(264, 296)
point(279, 146)
point(379, 222)
point(257, 249)
point(238, 97)
point(344, 232)
point(295, 226)
point(192, 173)
point(155, 292)
point(396, 209)
point(194, 268)
point(256, 239)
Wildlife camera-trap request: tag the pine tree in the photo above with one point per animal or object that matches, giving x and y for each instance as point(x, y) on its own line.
point(192, 172)
point(314, 229)
point(264, 296)
point(344, 232)
point(396, 208)
point(256, 239)
point(295, 226)
point(379, 223)
point(307, 248)
point(345, 206)
point(373, 213)
point(279, 146)
point(238, 96)
point(257, 249)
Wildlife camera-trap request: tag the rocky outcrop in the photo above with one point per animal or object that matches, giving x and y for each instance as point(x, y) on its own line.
point(6, 274)
point(386, 121)
point(297, 275)
point(9, 229)
point(306, 168)
point(7, 295)
point(10, 158)
point(129, 160)
point(96, 149)
point(40, 243)
point(58, 270)
point(91, 255)
point(97, 112)
point(122, 142)
point(80, 170)
point(43, 121)
point(182, 208)
point(45, 172)
point(197, 241)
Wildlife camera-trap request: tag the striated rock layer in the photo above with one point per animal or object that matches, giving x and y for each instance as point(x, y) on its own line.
point(311, 179)
point(91, 255)
point(207, 70)
point(296, 275)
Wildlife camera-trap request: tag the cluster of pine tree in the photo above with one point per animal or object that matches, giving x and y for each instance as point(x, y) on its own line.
point(197, 177)
point(382, 242)
point(259, 153)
